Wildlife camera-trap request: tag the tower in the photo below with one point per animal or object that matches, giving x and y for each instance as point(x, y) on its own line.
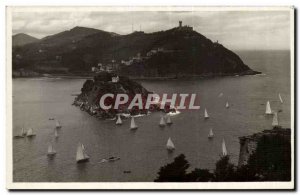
point(180, 24)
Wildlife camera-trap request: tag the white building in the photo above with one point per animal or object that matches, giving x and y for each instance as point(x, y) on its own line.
point(115, 79)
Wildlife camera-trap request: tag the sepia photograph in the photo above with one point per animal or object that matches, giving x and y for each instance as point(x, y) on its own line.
point(150, 97)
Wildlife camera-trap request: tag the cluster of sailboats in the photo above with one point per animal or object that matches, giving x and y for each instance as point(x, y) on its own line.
point(82, 156)
point(29, 133)
point(275, 114)
point(166, 120)
point(81, 153)
point(51, 150)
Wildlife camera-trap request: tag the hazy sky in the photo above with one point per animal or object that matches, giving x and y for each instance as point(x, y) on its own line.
point(235, 30)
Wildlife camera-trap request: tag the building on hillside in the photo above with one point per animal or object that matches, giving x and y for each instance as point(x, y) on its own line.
point(186, 27)
point(115, 79)
point(107, 67)
point(155, 51)
point(127, 62)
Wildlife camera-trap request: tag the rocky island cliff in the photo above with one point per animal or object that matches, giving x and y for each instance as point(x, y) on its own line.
point(109, 83)
point(174, 53)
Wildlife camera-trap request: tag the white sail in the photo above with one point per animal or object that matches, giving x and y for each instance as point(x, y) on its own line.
point(86, 156)
point(275, 120)
point(268, 108)
point(170, 145)
point(280, 98)
point(224, 150)
point(79, 154)
point(132, 124)
point(23, 133)
point(30, 132)
point(119, 121)
point(55, 133)
point(227, 105)
point(58, 124)
point(51, 150)
point(162, 122)
point(169, 119)
point(211, 134)
point(205, 114)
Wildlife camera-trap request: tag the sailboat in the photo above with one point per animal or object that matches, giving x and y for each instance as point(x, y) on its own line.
point(162, 122)
point(275, 120)
point(30, 133)
point(227, 105)
point(22, 134)
point(224, 150)
point(268, 108)
point(81, 155)
point(119, 121)
point(55, 133)
point(206, 116)
point(170, 146)
point(169, 122)
point(173, 111)
point(133, 126)
point(51, 151)
point(58, 126)
point(210, 134)
point(280, 98)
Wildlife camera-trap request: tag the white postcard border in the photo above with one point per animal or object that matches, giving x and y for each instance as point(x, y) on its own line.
point(135, 185)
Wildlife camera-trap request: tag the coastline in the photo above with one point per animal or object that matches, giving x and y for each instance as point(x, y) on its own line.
point(183, 77)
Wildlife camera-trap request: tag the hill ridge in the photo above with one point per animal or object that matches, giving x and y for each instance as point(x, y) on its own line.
point(173, 52)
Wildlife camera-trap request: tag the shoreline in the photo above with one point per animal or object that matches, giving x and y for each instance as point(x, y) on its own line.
point(183, 77)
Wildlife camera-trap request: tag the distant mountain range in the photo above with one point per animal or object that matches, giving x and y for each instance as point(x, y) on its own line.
point(22, 39)
point(180, 51)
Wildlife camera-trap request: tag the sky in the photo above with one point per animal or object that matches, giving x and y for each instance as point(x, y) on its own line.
point(236, 30)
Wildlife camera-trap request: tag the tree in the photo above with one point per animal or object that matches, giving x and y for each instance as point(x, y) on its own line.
point(199, 175)
point(271, 160)
point(224, 170)
point(245, 173)
point(175, 171)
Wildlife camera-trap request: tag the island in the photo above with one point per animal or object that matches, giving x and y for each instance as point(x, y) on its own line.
point(110, 83)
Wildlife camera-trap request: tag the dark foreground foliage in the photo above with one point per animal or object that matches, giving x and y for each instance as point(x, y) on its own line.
point(271, 161)
point(177, 172)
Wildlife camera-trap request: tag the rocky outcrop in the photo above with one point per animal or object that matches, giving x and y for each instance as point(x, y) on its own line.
point(248, 144)
point(103, 83)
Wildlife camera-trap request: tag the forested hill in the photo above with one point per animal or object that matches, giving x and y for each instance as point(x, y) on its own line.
point(174, 52)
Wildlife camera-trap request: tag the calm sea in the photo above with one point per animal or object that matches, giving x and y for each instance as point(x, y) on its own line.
point(143, 152)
